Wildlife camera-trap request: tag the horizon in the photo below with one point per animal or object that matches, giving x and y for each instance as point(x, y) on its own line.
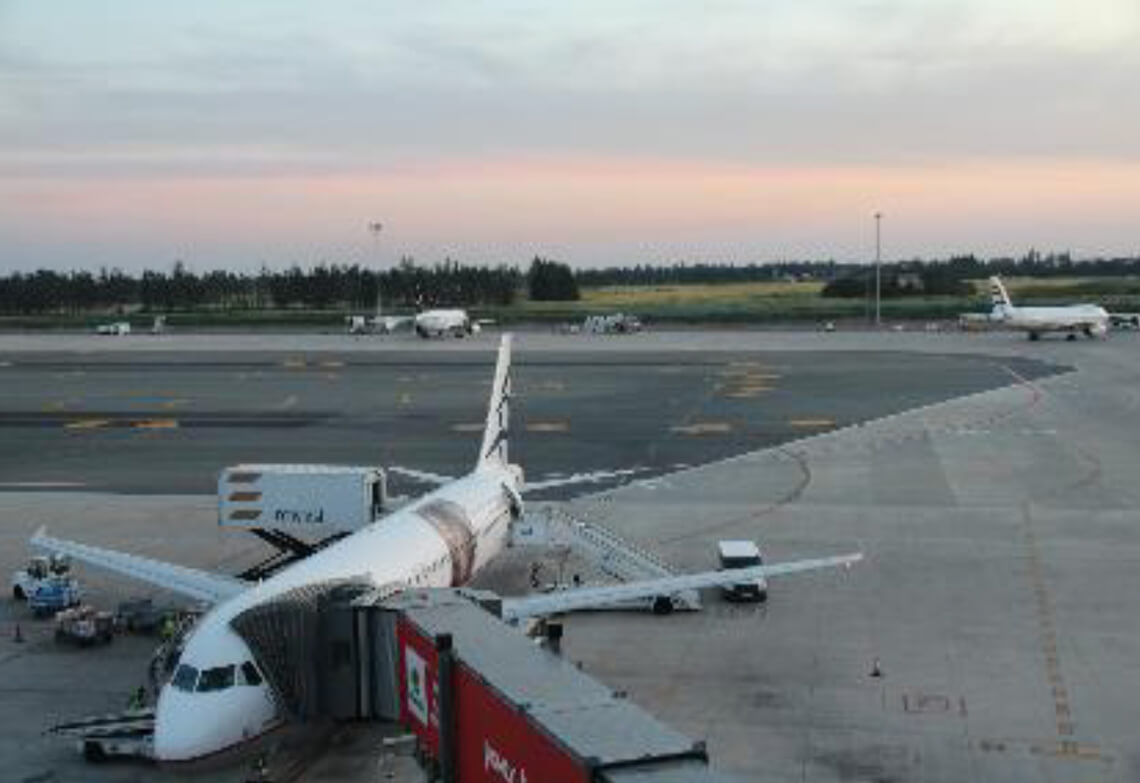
point(596, 134)
point(523, 265)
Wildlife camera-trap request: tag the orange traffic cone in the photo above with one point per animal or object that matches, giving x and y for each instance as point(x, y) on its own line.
point(18, 636)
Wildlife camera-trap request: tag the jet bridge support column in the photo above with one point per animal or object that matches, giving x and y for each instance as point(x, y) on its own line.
point(448, 736)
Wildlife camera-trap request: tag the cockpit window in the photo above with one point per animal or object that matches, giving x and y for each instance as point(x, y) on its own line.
point(249, 674)
point(185, 678)
point(216, 679)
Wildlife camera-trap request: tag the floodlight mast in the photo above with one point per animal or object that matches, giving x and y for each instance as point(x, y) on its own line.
point(374, 228)
point(878, 273)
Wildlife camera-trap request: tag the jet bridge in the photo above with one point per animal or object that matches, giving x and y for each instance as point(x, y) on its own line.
point(484, 702)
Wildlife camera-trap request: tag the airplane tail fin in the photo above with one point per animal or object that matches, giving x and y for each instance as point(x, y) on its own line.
point(494, 448)
point(999, 296)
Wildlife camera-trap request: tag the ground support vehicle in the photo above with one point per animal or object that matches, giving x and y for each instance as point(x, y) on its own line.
point(742, 554)
point(52, 595)
point(84, 625)
point(140, 615)
point(128, 734)
point(40, 569)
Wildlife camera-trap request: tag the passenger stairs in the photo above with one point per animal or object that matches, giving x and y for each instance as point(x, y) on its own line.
point(612, 554)
point(125, 734)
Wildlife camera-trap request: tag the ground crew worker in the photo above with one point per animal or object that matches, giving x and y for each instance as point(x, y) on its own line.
point(168, 629)
point(259, 770)
point(138, 699)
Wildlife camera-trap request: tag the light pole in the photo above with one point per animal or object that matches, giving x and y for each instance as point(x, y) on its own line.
point(878, 274)
point(374, 228)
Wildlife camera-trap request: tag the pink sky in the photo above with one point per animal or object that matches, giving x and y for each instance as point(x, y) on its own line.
point(232, 134)
point(608, 211)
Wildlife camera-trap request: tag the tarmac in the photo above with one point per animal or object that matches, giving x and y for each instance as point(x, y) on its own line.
point(989, 481)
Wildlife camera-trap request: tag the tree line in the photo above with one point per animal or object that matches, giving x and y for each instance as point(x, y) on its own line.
point(451, 283)
point(951, 277)
point(320, 287)
point(681, 273)
point(941, 274)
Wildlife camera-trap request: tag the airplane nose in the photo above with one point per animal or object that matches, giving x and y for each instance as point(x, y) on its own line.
point(173, 740)
point(188, 727)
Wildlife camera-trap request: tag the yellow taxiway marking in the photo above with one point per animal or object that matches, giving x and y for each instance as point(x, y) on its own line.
point(740, 392)
point(55, 406)
point(293, 363)
point(764, 376)
point(467, 427)
point(811, 422)
point(703, 428)
point(332, 364)
point(547, 426)
point(172, 404)
point(743, 384)
point(155, 424)
point(1068, 749)
point(405, 398)
point(287, 403)
point(86, 424)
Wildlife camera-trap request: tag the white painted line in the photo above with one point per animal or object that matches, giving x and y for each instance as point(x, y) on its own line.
point(547, 426)
point(40, 484)
point(703, 428)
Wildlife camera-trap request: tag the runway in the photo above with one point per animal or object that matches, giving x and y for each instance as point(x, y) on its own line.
point(992, 484)
point(166, 422)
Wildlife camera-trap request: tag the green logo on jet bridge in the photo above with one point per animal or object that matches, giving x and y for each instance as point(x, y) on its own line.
point(415, 672)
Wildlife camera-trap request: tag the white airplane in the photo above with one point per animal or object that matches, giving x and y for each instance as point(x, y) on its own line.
point(427, 323)
point(219, 698)
point(1092, 320)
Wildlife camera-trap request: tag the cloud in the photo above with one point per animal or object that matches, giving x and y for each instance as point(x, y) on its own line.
point(93, 97)
point(809, 80)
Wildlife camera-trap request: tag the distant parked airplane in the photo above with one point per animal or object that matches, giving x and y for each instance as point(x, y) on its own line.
point(427, 323)
point(1089, 319)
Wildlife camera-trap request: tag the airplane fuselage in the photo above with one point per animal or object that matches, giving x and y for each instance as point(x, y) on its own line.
point(437, 323)
point(218, 698)
point(1089, 319)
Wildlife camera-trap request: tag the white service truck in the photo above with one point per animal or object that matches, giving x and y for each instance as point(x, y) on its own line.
point(313, 500)
point(46, 584)
point(40, 570)
point(742, 554)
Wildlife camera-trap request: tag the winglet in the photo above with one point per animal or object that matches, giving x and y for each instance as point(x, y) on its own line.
point(494, 447)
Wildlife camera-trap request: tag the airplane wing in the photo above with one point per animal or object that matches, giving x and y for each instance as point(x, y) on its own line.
point(594, 477)
point(390, 323)
point(608, 595)
point(199, 585)
point(579, 478)
point(425, 476)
